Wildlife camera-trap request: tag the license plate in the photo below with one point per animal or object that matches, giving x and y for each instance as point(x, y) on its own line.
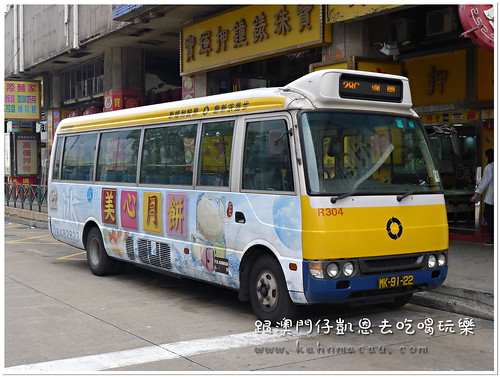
point(395, 281)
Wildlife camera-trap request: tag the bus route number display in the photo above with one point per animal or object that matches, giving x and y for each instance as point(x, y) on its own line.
point(368, 88)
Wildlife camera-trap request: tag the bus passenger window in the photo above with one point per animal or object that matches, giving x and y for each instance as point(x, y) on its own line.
point(56, 170)
point(264, 169)
point(215, 154)
point(78, 157)
point(117, 160)
point(168, 155)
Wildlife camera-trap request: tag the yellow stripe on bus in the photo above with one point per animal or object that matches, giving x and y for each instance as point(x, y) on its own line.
point(171, 114)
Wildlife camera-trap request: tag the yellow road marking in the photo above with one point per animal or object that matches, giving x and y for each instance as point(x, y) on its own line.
point(25, 239)
point(73, 255)
point(13, 226)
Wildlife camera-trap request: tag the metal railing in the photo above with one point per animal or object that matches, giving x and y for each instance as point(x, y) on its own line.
point(26, 196)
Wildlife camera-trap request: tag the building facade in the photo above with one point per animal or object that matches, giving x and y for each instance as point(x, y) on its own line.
point(93, 58)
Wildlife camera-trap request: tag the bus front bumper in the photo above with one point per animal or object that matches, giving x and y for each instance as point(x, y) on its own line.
point(370, 289)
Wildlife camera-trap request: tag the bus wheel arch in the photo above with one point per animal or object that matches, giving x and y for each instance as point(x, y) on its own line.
point(88, 226)
point(262, 282)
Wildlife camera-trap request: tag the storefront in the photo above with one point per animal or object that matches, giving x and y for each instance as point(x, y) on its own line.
point(452, 77)
point(453, 94)
point(253, 46)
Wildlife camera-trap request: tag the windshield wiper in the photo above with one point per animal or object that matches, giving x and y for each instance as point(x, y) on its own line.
point(411, 192)
point(334, 199)
point(399, 198)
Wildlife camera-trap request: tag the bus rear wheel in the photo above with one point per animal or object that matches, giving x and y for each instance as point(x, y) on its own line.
point(99, 261)
point(268, 291)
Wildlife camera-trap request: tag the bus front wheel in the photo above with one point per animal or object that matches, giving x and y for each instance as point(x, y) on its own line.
point(268, 291)
point(99, 261)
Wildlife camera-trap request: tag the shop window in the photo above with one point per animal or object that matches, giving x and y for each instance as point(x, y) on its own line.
point(83, 81)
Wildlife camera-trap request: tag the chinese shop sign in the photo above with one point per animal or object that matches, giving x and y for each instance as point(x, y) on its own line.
point(346, 12)
point(21, 154)
point(250, 33)
point(22, 100)
point(478, 22)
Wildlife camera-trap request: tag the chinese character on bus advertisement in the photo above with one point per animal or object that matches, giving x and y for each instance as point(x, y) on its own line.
point(128, 209)
point(176, 206)
point(151, 212)
point(109, 206)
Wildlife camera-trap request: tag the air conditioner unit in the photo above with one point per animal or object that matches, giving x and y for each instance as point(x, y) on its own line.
point(441, 21)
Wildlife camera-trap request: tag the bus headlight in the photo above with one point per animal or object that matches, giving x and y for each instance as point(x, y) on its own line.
point(431, 262)
point(316, 270)
point(332, 270)
point(348, 269)
point(441, 260)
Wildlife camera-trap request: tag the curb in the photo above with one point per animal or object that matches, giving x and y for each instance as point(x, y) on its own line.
point(454, 304)
point(26, 217)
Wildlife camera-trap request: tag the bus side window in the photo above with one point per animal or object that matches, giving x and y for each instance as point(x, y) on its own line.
point(117, 160)
point(78, 157)
point(215, 153)
point(56, 171)
point(168, 155)
point(263, 169)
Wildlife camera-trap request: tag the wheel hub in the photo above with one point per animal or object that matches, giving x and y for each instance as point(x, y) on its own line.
point(267, 291)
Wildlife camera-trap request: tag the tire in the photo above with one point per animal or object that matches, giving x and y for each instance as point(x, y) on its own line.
point(269, 295)
point(99, 261)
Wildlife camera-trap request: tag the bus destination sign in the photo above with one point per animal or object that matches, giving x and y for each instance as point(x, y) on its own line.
point(370, 88)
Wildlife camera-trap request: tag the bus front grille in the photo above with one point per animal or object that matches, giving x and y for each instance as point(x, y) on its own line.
point(377, 265)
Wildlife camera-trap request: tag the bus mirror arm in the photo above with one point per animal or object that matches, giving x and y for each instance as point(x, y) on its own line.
point(274, 138)
point(289, 132)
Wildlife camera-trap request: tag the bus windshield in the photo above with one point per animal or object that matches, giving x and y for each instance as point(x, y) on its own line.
point(348, 153)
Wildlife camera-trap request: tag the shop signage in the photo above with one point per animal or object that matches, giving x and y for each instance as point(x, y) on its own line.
point(22, 100)
point(487, 114)
point(438, 79)
point(21, 154)
point(455, 117)
point(251, 33)
point(27, 158)
point(478, 22)
point(339, 13)
point(116, 99)
point(361, 64)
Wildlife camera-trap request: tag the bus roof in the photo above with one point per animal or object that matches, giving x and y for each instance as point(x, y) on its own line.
point(321, 89)
point(245, 101)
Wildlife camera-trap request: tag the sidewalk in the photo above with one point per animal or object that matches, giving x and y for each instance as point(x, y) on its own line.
point(469, 288)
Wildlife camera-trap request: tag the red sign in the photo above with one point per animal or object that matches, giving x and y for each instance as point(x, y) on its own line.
point(478, 22)
point(116, 99)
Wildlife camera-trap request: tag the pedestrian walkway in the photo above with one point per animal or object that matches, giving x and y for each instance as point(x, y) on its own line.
point(469, 288)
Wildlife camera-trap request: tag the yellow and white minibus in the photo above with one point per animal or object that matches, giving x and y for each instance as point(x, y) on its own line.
point(321, 191)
